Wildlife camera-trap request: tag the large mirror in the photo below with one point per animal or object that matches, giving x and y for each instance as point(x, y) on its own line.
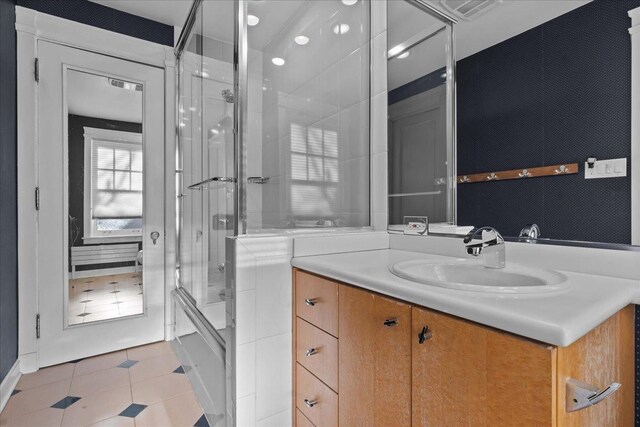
point(542, 112)
point(105, 185)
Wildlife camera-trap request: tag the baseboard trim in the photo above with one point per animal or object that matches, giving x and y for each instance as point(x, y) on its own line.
point(9, 384)
point(104, 272)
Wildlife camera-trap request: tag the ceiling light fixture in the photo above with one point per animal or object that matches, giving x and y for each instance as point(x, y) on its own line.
point(341, 29)
point(278, 61)
point(301, 40)
point(252, 20)
point(349, 2)
point(403, 55)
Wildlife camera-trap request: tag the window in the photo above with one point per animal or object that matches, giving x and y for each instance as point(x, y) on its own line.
point(113, 184)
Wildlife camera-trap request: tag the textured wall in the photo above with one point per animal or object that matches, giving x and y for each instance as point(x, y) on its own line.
point(557, 93)
point(8, 192)
point(100, 16)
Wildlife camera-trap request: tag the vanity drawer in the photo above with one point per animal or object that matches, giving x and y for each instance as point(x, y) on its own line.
point(301, 420)
point(317, 301)
point(315, 400)
point(317, 351)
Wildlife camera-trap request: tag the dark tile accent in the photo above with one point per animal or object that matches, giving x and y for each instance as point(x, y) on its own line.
point(83, 314)
point(113, 283)
point(104, 17)
point(76, 361)
point(66, 402)
point(179, 370)
point(202, 422)
point(14, 392)
point(117, 302)
point(127, 363)
point(132, 410)
point(114, 292)
point(88, 290)
point(86, 301)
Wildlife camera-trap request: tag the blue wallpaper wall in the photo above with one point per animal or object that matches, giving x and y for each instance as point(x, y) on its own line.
point(558, 93)
point(8, 191)
point(104, 17)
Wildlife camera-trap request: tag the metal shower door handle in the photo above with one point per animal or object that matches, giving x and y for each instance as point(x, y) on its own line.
point(154, 236)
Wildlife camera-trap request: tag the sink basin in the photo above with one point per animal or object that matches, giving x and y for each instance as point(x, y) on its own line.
point(472, 275)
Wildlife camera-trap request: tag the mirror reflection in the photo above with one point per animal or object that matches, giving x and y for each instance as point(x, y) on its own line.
point(543, 111)
point(105, 197)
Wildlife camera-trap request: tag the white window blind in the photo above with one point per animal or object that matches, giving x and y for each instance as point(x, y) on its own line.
point(116, 181)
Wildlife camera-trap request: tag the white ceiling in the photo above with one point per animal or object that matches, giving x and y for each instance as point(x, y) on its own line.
point(93, 96)
point(510, 18)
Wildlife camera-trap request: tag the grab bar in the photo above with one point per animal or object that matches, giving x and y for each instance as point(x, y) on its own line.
point(208, 332)
point(221, 179)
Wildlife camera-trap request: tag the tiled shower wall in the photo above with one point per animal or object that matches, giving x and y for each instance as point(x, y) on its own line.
point(315, 132)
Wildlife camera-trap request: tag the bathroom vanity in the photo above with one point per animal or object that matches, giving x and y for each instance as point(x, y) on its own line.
point(371, 349)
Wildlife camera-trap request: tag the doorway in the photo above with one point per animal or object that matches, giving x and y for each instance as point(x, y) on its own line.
point(101, 203)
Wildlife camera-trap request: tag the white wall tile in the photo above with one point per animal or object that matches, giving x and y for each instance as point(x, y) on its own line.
point(273, 296)
point(379, 183)
point(379, 122)
point(281, 419)
point(246, 411)
point(268, 246)
point(245, 268)
point(245, 317)
point(379, 64)
point(245, 370)
point(273, 375)
point(378, 17)
point(348, 242)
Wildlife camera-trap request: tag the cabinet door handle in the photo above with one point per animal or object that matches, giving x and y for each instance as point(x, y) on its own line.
point(424, 334)
point(311, 352)
point(390, 323)
point(310, 403)
point(581, 395)
point(310, 301)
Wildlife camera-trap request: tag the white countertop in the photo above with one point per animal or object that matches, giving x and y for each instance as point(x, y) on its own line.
point(556, 318)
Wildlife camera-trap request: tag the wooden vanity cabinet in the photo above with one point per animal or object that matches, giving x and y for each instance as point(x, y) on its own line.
point(399, 364)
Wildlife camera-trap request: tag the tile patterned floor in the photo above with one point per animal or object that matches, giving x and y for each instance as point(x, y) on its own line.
point(138, 387)
point(105, 297)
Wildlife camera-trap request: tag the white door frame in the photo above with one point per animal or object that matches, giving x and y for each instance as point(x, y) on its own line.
point(32, 26)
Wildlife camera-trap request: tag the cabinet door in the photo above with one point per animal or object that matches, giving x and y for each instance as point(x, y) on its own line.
point(374, 360)
point(465, 374)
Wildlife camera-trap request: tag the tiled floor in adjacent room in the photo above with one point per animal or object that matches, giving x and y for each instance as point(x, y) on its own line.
point(105, 297)
point(141, 386)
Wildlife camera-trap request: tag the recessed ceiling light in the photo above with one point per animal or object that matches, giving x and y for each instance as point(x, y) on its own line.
point(349, 2)
point(403, 55)
point(341, 29)
point(252, 20)
point(301, 40)
point(278, 61)
point(182, 124)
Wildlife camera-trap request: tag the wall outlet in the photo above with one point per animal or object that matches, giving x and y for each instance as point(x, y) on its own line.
point(612, 168)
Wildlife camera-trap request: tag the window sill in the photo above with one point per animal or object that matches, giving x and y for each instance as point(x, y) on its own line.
point(111, 239)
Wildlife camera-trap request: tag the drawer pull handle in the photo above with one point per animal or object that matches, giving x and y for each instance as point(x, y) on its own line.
point(390, 323)
point(311, 352)
point(424, 334)
point(310, 403)
point(310, 301)
point(581, 395)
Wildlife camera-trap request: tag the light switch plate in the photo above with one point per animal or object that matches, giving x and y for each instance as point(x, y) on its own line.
point(611, 168)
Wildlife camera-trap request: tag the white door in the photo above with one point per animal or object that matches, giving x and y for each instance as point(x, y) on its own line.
point(101, 179)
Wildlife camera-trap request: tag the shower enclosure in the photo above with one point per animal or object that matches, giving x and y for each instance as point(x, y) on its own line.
point(272, 136)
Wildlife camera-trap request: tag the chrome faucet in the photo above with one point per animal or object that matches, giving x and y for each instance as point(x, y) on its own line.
point(530, 231)
point(490, 244)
